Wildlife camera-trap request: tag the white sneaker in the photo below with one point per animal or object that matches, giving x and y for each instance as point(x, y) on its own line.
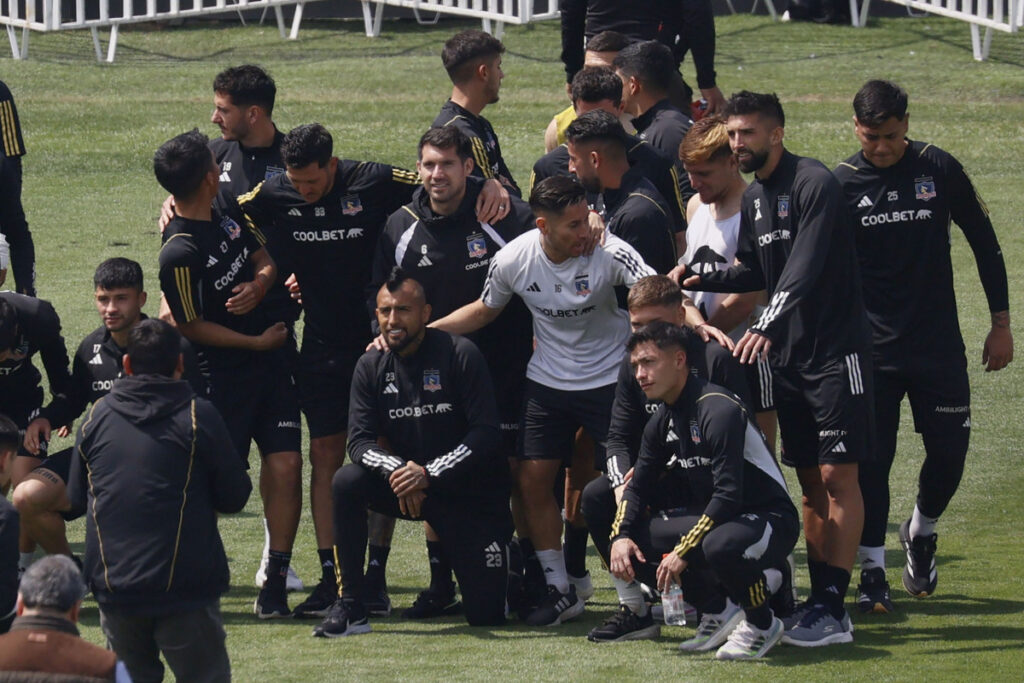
point(292, 583)
point(584, 586)
point(713, 629)
point(749, 642)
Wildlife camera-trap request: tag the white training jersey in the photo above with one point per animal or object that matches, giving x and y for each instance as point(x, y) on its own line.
point(710, 246)
point(580, 330)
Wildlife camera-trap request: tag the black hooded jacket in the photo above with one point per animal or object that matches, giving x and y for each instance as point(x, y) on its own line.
point(155, 464)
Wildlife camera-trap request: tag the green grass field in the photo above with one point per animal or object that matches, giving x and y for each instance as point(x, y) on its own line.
point(89, 194)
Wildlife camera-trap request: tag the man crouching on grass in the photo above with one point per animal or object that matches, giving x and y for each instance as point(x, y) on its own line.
point(430, 396)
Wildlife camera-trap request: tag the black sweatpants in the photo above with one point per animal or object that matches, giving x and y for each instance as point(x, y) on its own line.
point(474, 534)
point(15, 228)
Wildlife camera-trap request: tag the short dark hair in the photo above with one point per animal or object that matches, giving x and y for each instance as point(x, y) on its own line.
point(53, 582)
point(154, 348)
point(446, 137)
point(607, 41)
point(182, 162)
point(553, 195)
point(118, 273)
point(9, 326)
point(654, 290)
point(649, 62)
point(10, 435)
point(878, 101)
point(247, 85)
point(307, 144)
point(598, 126)
point(663, 335)
point(398, 276)
point(466, 50)
point(596, 83)
point(765, 105)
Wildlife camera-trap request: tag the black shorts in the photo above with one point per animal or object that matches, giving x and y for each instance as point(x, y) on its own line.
point(508, 394)
point(59, 464)
point(759, 379)
point(938, 389)
point(21, 404)
point(323, 377)
point(258, 402)
point(551, 418)
point(826, 414)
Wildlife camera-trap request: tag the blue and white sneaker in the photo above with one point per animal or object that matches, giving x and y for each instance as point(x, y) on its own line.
point(818, 627)
point(714, 629)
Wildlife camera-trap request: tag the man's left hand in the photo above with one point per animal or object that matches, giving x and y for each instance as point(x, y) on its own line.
point(751, 347)
point(246, 297)
point(412, 504)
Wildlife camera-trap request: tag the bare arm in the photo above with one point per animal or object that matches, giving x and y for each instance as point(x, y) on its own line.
point(208, 333)
point(469, 318)
point(734, 311)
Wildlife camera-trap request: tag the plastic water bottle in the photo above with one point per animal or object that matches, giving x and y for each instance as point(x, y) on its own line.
point(673, 607)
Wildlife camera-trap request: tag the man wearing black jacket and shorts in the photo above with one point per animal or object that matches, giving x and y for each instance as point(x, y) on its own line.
point(796, 241)
point(430, 397)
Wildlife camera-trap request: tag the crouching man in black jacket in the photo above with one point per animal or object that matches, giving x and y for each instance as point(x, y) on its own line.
point(155, 464)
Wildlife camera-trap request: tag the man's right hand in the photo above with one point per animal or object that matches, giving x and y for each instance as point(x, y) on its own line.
point(38, 430)
point(166, 213)
point(621, 559)
point(411, 503)
point(273, 337)
point(378, 343)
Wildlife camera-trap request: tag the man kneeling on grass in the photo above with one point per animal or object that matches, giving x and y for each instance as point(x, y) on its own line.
point(737, 521)
point(430, 396)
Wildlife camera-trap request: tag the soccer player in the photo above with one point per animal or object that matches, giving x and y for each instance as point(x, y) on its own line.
point(214, 272)
point(430, 397)
point(712, 235)
point(634, 210)
point(439, 241)
point(29, 325)
point(41, 498)
point(707, 493)
point(600, 52)
point(903, 194)
point(10, 440)
point(646, 71)
point(13, 225)
point(324, 216)
point(796, 242)
point(473, 61)
point(579, 331)
point(599, 88)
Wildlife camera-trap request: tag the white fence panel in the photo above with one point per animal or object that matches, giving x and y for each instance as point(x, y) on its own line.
point(500, 12)
point(998, 15)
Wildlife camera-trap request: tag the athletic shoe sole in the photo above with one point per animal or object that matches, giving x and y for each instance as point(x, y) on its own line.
point(571, 612)
point(833, 639)
point(260, 614)
point(352, 630)
point(652, 632)
point(743, 656)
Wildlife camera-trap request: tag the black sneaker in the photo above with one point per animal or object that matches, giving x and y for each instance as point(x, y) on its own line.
point(344, 618)
point(919, 576)
point(271, 604)
point(625, 625)
point(782, 601)
point(318, 603)
point(531, 595)
point(430, 604)
point(556, 608)
point(873, 592)
point(377, 601)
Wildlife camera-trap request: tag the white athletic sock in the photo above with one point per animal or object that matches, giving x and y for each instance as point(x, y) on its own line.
point(774, 579)
point(871, 557)
point(631, 596)
point(266, 540)
point(921, 525)
point(553, 564)
point(25, 559)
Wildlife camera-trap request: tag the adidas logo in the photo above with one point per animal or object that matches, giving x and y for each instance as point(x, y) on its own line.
point(493, 548)
point(425, 261)
point(967, 423)
point(534, 287)
point(671, 436)
point(391, 388)
point(225, 178)
point(864, 202)
point(839, 448)
point(549, 570)
point(96, 360)
point(211, 262)
point(374, 563)
point(294, 212)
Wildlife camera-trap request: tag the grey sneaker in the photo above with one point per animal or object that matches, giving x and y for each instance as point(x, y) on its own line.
point(713, 629)
point(818, 627)
point(749, 642)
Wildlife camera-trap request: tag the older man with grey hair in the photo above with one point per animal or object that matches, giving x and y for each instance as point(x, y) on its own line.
point(43, 637)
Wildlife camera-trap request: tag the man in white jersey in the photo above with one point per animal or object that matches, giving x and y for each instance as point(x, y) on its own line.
point(712, 232)
point(581, 334)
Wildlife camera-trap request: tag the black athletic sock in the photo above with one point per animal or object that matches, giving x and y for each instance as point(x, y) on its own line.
point(532, 571)
point(327, 573)
point(836, 581)
point(377, 565)
point(575, 550)
point(440, 570)
point(815, 571)
point(761, 616)
point(277, 569)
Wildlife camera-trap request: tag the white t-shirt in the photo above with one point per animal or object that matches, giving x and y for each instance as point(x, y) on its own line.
point(710, 246)
point(580, 330)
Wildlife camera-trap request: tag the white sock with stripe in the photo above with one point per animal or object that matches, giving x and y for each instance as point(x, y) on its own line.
point(553, 564)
